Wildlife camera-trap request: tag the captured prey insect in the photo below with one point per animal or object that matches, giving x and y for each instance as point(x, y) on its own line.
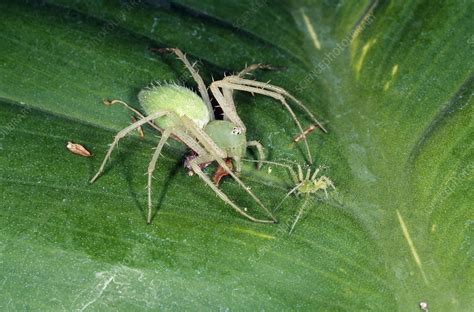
point(305, 185)
point(180, 114)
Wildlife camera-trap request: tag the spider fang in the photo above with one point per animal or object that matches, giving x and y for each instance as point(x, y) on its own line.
point(220, 172)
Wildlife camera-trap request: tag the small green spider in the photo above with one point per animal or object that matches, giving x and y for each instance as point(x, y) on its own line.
point(303, 185)
point(179, 113)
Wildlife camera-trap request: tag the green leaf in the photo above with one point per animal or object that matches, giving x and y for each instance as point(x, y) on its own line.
point(393, 81)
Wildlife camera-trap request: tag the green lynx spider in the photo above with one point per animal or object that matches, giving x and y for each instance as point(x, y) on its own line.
point(179, 113)
point(305, 185)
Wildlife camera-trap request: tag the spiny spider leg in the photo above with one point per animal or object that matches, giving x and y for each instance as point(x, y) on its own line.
point(220, 172)
point(201, 86)
point(151, 168)
point(227, 84)
point(176, 135)
point(300, 213)
point(252, 67)
point(300, 173)
point(229, 93)
point(218, 154)
point(261, 154)
point(267, 86)
point(122, 133)
point(298, 181)
point(188, 140)
point(195, 166)
point(140, 115)
point(287, 195)
point(203, 158)
point(288, 167)
point(228, 106)
point(315, 174)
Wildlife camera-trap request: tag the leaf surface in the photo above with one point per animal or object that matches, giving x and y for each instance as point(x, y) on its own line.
point(393, 82)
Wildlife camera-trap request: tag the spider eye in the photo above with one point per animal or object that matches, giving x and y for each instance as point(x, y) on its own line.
point(236, 130)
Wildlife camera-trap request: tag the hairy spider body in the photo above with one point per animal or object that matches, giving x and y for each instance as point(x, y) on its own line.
point(179, 113)
point(182, 101)
point(173, 98)
point(314, 186)
point(303, 185)
point(306, 186)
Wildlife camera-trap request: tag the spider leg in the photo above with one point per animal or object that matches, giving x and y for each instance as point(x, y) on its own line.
point(206, 158)
point(228, 84)
point(136, 112)
point(300, 174)
point(252, 67)
point(261, 154)
point(201, 86)
point(267, 86)
point(229, 93)
point(189, 141)
point(177, 134)
point(122, 134)
point(300, 213)
point(293, 175)
point(227, 104)
point(287, 195)
point(229, 100)
point(315, 174)
point(219, 155)
point(151, 168)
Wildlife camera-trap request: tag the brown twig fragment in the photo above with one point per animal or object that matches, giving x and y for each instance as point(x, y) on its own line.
point(305, 132)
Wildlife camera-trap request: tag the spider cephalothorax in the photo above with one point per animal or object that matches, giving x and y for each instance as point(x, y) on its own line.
point(181, 114)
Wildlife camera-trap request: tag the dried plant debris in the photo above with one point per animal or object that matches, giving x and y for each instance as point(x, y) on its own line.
point(78, 149)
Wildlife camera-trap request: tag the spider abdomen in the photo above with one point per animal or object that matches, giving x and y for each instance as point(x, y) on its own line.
point(174, 98)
